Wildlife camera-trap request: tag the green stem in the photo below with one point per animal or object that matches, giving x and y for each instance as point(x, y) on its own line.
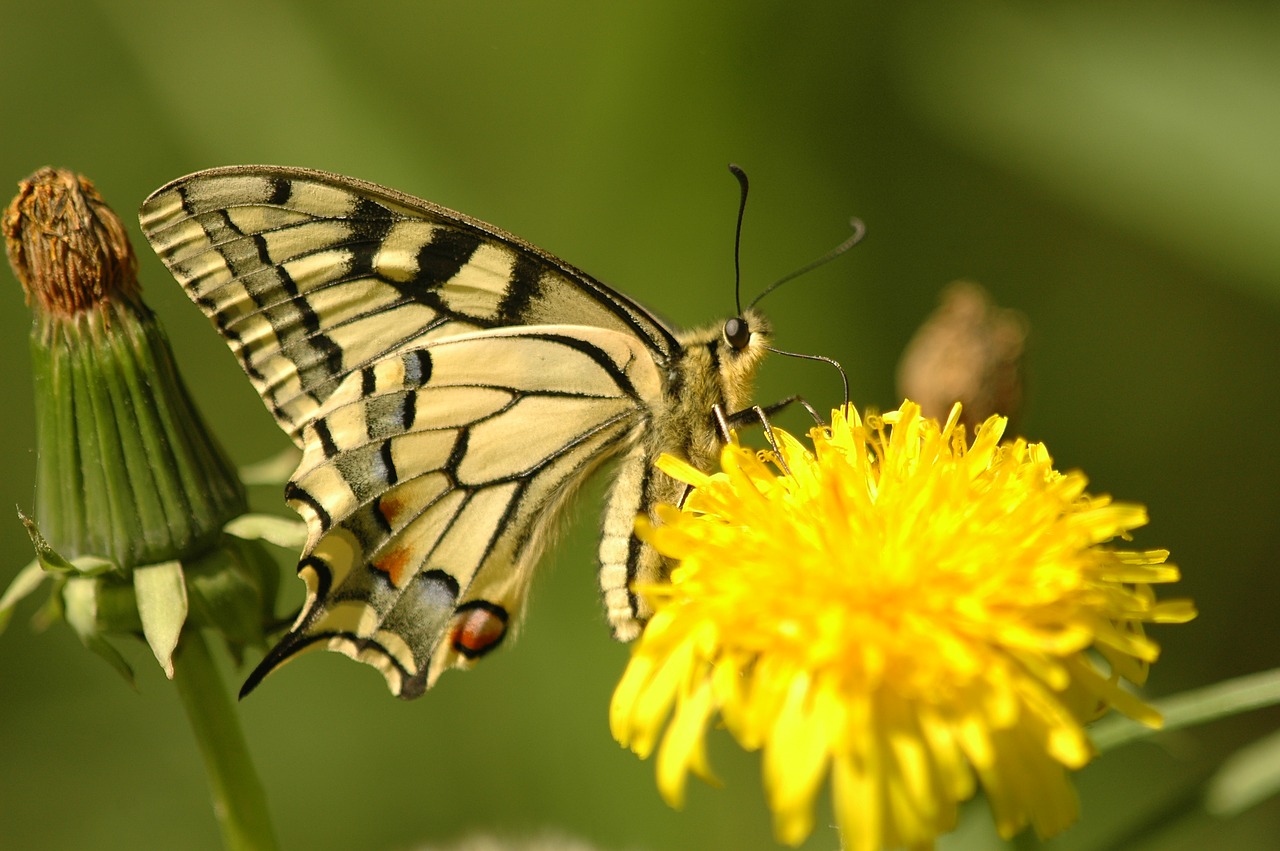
point(239, 801)
point(1220, 700)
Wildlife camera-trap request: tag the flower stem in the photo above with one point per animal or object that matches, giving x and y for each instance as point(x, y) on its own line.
point(239, 801)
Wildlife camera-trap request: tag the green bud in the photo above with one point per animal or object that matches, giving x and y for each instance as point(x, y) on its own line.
point(141, 518)
point(132, 492)
point(125, 466)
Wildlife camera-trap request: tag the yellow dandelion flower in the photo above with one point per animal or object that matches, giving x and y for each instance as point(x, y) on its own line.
point(902, 611)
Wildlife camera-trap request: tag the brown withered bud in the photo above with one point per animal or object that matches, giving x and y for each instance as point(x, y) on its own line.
point(968, 351)
point(68, 249)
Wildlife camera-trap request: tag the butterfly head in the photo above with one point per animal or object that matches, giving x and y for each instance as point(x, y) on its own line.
point(718, 363)
point(743, 341)
point(744, 336)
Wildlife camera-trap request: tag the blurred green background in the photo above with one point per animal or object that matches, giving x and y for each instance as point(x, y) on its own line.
point(1112, 170)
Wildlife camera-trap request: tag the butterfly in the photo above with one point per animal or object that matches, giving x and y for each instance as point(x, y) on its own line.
point(450, 386)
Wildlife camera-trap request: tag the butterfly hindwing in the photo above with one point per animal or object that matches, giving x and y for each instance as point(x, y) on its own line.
point(423, 506)
point(451, 386)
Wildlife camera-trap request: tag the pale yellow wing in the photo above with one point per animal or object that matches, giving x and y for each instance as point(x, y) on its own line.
point(430, 481)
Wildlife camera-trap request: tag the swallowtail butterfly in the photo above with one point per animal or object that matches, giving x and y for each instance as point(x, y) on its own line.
point(450, 386)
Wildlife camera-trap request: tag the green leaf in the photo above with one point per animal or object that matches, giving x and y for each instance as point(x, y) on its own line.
point(27, 581)
point(162, 606)
point(1247, 777)
point(1200, 706)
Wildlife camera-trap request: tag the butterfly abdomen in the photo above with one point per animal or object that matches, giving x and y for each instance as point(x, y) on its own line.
point(710, 373)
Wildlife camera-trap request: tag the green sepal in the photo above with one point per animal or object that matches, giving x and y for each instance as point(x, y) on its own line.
point(233, 590)
point(47, 557)
point(162, 608)
point(23, 585)
point(81, 598)
point(51, 561)
point(105, 650)
point(281, 531)
point(125, 469)
point(51, 611)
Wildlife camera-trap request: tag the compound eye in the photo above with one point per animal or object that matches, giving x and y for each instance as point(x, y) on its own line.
point(737, 332)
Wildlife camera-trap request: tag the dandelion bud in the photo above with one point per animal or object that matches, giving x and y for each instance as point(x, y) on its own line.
point(968, 351)
point(126, 468)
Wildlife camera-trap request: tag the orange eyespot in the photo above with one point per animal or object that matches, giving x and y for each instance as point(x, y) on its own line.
point(479, 630)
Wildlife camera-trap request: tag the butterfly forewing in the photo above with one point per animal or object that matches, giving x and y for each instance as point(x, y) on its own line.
point(451, 385)
point(311, 276)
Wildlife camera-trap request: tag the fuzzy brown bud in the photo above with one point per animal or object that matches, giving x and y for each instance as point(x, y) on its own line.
point(67, 247)
point(968, 351)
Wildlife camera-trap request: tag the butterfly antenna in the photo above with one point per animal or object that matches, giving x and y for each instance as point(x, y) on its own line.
point(859, 231)
point(736, 171)
point(844, 379)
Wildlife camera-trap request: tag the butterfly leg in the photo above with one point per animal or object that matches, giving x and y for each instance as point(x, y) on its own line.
point(757, 413)
point(791, 400)
point(747, 415)
point(760, 414)
point(754, 413)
